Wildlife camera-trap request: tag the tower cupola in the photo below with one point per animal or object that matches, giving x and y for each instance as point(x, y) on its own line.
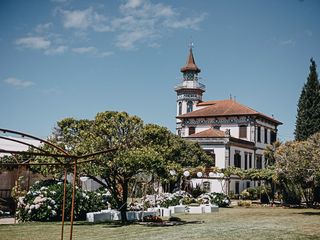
point(189, 90)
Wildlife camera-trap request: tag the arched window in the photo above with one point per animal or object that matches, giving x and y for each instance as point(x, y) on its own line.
point(180, 108)
point(189, 106)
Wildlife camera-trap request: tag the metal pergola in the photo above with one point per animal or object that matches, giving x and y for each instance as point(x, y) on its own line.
point(73, 160)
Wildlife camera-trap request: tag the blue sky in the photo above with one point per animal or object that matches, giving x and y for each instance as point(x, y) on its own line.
point(69, 58)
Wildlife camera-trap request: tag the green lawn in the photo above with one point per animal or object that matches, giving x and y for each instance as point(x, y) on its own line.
point(231, 223)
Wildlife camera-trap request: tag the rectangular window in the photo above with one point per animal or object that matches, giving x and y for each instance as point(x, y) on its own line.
point(259, 134)
point(248, 184)
point(237, 160)
point(250, 160)
point(266, 135)
point(206, 186)
point(273, 137)
point(245, 160)
point(243, 132)
point(259, 161)
point(213, 157)
point(192, 130)
point(237, 188)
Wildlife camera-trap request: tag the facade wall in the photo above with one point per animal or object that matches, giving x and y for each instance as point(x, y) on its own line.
point(216, 185)
point(243, 184)
point(242, 152)
point(219, 151)
point(200, 125)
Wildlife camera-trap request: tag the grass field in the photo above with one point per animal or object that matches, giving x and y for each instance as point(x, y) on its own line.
point(230, 223)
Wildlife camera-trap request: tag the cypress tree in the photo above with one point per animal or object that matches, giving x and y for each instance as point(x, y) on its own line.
point(308, 115)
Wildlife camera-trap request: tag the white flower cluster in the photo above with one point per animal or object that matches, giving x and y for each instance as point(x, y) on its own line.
point(85, 196)
point(155, 200)
point(40, 201)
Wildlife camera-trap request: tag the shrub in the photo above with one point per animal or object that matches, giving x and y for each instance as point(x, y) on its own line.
point(188, 200)
point(197, 191)
point(152, 219)
point(244, 203)
point(264, 192)
point(165, 199)
point(44, 202)
point(250, 194)
point(220, 199)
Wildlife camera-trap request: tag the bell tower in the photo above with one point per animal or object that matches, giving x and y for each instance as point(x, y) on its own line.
point(189, 90)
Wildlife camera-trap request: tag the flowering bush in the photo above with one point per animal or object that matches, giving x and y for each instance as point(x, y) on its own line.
point(44, 202)
point(135, 206)
point(220, 199)
point(182, 197)
point(165, 199)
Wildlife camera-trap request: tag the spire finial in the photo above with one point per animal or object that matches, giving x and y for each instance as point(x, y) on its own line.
point(191, 45)
point(191, 65)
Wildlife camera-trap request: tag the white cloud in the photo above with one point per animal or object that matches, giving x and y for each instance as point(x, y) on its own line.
point(56, 51)
point(33, 42)
point(92, 51)
point(127, 40)
point(192, 23)
point(18, 83)
point(138, 22)
point(142, 21)
point(83, 50)
point(40, 28)
point(133, 3)
point(105, 54)
point(84, 19)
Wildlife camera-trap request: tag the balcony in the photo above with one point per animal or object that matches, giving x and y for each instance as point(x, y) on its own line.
point(190, 85)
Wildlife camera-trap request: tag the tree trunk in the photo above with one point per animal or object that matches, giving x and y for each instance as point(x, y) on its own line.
point(123, 207)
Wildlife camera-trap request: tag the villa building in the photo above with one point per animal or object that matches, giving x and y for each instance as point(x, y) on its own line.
point(231, 133)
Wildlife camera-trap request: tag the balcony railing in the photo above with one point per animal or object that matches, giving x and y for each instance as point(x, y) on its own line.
point(190, 84)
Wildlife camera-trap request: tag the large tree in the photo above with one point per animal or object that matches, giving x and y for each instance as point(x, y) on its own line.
point(139, 148)
point(298, 169)
point(308, 116)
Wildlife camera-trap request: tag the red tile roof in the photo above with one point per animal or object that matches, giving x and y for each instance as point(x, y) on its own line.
point(191, 64)
point(209, 133)
point(222, 108)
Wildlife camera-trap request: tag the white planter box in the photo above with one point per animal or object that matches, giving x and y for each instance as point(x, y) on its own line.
point(208, 208)
point(165, 212)
point(179, 209)
point(195, 210)
point(96, 217)
point(148, 213)
point(133, 216)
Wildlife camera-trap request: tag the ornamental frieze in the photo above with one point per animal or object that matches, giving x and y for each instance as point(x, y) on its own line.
point(218, 121)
